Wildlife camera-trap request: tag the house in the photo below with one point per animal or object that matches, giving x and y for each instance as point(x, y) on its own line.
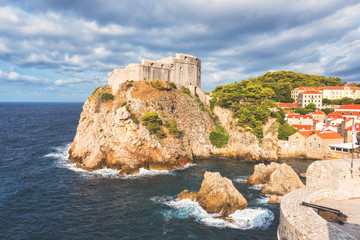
point(300, 122)
point(319, 115)
point(351, 110)
point(334, 115)
point(296, 91)
point(310, 144)
point(307, 97)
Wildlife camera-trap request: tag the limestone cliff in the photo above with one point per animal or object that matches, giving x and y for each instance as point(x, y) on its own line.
point(110, 134)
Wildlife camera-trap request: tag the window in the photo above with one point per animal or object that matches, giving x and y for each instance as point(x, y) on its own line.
point(314, 139)
point(297, 137)
point(293, 144)
point(319, 145)
point(309, 144)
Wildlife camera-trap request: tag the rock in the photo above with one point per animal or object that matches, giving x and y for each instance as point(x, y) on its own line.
point(274, 199)
point(262, 173)
point(282, 181)
point(187, 195)
point(217, 195)
point(122, 113)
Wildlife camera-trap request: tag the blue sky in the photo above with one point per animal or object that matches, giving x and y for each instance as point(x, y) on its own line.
point(56, 50)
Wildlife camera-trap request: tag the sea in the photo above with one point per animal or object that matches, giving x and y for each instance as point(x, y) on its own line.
point(43, 196)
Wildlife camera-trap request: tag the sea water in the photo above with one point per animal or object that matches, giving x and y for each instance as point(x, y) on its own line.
point(43, 196)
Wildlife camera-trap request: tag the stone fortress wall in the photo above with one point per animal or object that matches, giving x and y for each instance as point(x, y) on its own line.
point(183, 70)
point(330, 179)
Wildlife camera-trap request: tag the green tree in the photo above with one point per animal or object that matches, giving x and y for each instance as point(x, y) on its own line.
point(326, 101)
point(357, 101)
point(311, 107)
point(346, 101)
point(327, 110)
point(285, 130)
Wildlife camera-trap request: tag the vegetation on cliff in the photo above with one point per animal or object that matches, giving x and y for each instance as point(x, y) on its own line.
point(153, 123)
point(219, 138)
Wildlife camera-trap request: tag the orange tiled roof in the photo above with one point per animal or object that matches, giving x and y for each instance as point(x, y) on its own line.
point(308, 133)
point(329, 135)
point(312, 92)
point(298, 116)
point(357, 127)
point(350, 106)
point(288, 105)
point(319, 112)
point(305, 88)
point(335, 114)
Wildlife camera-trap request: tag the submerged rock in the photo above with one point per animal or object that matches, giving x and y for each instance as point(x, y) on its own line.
point(217, 195)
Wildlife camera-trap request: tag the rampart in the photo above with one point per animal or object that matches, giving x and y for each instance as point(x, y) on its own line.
point(330, 179)
point(183, 70)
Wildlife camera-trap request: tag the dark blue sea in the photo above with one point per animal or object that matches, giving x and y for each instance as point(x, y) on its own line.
point(43, 196)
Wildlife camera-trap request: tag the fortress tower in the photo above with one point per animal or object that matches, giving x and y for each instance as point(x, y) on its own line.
point(183, 70)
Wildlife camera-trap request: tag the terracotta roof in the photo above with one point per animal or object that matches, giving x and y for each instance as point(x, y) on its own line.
point(357, 127)
point(311, 92)
point(304, 88)
point(298, 116)
point(288, 105)
point(319, 112)
point(335, 114)
point(308, 133)
point(350, 106)
point(329, 135)
point(339, 87)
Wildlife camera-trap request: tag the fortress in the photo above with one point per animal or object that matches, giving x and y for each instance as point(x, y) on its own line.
point(183, 70)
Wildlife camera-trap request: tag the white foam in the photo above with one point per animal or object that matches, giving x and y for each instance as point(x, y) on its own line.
point(264, 199)
point(61, 155)
point(241, 219)
point(241, 179)
point(256, 186)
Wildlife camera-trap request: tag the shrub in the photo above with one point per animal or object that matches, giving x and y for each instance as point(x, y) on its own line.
point(219, 138)
point(186, 91)
point(173, 128)
point(327, 110)
point(152, 122)
point(173, 85)
point(160, 134)
point(105, 97)
point(123, 104)
point(158, 84)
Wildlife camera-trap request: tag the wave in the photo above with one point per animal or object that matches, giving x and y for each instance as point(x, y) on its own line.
point(256, 186)
point(61, 155)
point(248, 218)
point(241, 179)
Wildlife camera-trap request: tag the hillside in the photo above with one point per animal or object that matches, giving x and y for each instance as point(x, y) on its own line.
point(154, 126)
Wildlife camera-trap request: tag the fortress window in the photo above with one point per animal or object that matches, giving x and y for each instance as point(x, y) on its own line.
point(185, 58)
point(180, 68)
point(162, 65)
point(172, 66)
point(152, 64)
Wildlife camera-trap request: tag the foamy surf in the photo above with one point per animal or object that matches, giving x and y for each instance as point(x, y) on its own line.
point(241, 179)
point(248, 218)
point(61, 155)
point(256, 186)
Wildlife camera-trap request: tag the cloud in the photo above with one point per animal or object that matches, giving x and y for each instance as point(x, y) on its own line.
point(64, 43)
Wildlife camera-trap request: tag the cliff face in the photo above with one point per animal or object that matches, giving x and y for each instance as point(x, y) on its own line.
point(110, 134)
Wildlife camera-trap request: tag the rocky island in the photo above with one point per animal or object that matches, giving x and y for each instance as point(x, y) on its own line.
point(161, 119)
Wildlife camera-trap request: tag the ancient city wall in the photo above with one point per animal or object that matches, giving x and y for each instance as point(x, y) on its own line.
point(325, 179)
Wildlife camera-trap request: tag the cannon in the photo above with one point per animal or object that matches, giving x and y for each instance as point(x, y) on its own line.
point(329, 214)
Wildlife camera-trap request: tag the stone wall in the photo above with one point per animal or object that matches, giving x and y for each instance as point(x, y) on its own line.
point(183, 70)
point(324, 179)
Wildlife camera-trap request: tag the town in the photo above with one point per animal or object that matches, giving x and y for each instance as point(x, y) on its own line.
point(323, 130)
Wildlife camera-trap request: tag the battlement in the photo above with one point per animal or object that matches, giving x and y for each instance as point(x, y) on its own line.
point(183, 70)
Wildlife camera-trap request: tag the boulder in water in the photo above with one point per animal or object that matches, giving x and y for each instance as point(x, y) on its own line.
point(262, 173)
point(217, 195)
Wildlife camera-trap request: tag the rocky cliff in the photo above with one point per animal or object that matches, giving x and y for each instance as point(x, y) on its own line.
point(110, 133)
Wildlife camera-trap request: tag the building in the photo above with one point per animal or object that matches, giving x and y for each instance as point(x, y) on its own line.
point(300, 122)
point(351, 110)
point(319, 115)
point(330, 92)
point(183, 70)
point(296, 91)
point(307, 97)
point(339, 92)
point(310, 144)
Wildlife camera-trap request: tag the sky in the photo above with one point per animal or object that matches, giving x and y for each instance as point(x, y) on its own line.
point(60, 51)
